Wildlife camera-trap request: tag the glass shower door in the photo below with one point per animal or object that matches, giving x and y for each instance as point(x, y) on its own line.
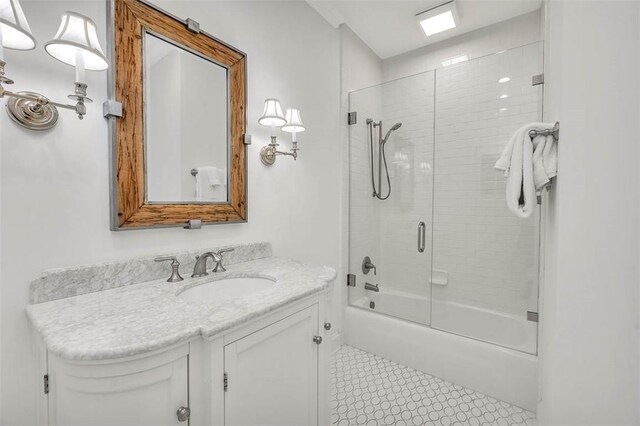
point(485, 259)
point(392, 230)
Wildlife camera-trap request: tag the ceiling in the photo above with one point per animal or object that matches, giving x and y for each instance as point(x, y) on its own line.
point(389, 27)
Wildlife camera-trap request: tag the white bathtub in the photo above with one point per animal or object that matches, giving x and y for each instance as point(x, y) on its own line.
point(409, 306)
point(507, 374)
point(499, 328)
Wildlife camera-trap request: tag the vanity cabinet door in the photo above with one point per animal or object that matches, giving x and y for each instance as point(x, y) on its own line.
point(144, 391)
point(272, 374)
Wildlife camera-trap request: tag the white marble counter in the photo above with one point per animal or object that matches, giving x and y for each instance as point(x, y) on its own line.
point(140, 318)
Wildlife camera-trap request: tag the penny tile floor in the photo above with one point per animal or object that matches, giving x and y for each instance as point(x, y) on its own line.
point(369, 390)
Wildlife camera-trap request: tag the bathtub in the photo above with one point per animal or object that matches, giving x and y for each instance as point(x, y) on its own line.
point(494, 368)
point(499, 328)
point(409, 306)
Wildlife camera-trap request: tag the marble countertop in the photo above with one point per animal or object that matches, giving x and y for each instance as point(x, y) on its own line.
point(144, 317)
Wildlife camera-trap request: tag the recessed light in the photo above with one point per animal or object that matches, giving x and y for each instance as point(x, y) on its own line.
point(438, 19)
point(504, 96)
point(504, 80)
point(502, 109)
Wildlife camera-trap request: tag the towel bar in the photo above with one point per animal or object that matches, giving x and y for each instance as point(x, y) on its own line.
point(555, 132)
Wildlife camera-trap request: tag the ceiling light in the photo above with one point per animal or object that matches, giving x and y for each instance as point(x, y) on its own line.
point(504, 96)
point(504, 80)
point(439, 18)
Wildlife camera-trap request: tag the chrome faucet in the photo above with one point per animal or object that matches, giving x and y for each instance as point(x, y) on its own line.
point(200, 268)
point(175, 268)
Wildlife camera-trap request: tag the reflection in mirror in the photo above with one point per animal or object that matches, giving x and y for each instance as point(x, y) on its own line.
point(187, 122)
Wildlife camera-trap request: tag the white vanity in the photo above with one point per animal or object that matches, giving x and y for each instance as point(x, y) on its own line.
point(251, 349)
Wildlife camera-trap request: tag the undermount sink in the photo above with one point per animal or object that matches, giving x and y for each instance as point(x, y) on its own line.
point(228, 288)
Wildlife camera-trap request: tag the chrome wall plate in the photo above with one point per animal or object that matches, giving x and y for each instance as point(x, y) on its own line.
point(32, 114)
point(268, 155)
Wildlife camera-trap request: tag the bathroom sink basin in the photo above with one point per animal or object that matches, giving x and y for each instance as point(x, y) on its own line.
point(228, 288)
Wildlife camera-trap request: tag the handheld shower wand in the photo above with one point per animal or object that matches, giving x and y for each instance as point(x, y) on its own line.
point(382, 158)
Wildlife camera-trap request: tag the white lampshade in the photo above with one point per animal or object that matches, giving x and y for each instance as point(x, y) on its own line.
point(77, 35)
point(294, 121)
point(16, 33)
point(272, 114)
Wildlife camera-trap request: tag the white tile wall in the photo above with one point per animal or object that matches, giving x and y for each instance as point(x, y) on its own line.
point(387, 230)
point(491, 255)
point(364, 216)
point(410, 151)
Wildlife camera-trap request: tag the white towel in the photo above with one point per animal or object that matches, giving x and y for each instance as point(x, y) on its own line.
point(217, 177)
point(528, 165)
point(212, 177)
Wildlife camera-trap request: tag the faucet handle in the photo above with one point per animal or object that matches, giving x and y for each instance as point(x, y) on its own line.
point(175, 268)
point(218, 258)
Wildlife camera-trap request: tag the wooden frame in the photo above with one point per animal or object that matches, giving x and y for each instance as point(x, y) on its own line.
point(129, 209)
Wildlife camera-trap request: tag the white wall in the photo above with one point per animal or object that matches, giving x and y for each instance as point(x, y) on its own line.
point(589, 343)
point(521, 30)
point(55, 187)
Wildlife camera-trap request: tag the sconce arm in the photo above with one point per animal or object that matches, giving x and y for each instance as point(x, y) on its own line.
point(38, 112)
point(41, 100)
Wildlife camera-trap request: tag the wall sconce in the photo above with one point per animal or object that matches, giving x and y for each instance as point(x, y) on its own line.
point(75, 43)
point(273, 117)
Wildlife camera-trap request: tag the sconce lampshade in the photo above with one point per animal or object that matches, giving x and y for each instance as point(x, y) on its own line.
point(77, 35)
point(272, 114)
point(16, 33)
point(294, 121)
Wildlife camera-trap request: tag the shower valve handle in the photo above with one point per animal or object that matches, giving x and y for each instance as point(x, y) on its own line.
point(367, 266)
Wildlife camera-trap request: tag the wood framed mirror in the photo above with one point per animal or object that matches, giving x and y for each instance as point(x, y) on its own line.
point(178, 149)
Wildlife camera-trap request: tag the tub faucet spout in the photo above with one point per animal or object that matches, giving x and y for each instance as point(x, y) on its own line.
point(372, 287)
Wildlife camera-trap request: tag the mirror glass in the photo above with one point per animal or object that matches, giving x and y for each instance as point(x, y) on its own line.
point(187, 125)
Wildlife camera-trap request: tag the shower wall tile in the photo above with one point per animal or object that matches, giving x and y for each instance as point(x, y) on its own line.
point(409, 101)
point(491, 255)
point(364, 218)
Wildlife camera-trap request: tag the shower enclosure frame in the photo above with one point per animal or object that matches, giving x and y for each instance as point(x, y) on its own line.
point(356, 332)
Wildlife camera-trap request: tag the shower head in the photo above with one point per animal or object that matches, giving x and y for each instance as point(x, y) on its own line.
point(392, 129)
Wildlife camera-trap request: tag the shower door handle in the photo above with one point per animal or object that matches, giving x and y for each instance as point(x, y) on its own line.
point(421, 237)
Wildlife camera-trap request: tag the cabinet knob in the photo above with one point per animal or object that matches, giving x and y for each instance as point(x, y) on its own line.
point(183, 414)
point(327, 326)
point(317, 339)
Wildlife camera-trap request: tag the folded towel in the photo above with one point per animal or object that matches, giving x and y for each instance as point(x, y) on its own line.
point(209, 177)
point(545, 161)
point(214, 176)
point(217, 177)
point(529, 166)
point(200, 181)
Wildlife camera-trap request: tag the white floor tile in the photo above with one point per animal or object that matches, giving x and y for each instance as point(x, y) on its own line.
point(369, 390)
